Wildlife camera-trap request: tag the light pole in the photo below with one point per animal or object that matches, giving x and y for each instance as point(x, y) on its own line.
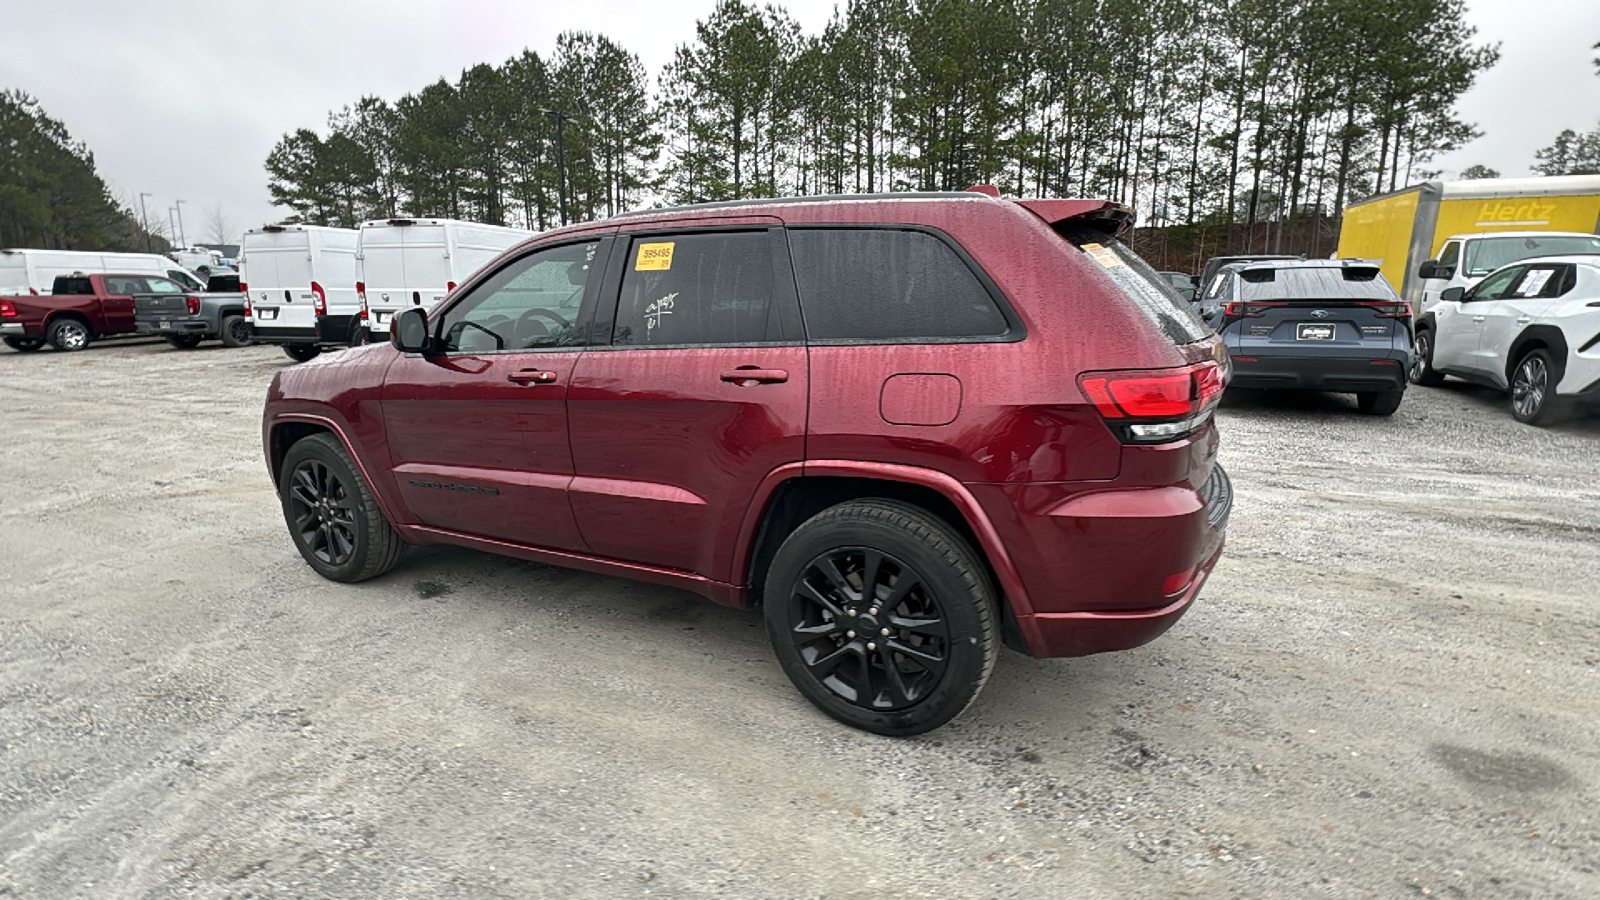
point(144, 222)
point(182, 235)
point(170, 229)
point(561, 154)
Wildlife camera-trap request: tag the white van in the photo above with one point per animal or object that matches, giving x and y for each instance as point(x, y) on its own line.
point(299, 282)
point(34, 271)
point(416, 262)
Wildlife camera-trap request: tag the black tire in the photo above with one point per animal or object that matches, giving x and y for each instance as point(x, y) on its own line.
point(69, 334)
point(1379, 403)
point(332, 515)
point(184, 341)
point(235, 331)
point(1533, 390)
point(358, 337)
point(301, 352)
point(23, 344)
point(1422, 371)
point(940, 646)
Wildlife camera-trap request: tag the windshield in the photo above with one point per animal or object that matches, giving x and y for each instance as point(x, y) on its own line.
point(1484, 256)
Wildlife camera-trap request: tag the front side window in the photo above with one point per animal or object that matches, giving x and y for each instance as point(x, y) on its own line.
point(532, 303)
point(1495, 286)
point(887, 284)
point(1450, 255)
point(709, 288)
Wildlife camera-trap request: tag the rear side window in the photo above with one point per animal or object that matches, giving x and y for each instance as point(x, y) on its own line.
point(882, 284)
point(1154, 296)
point(709, 288)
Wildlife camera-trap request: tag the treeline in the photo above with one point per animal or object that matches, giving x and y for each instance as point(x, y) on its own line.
point(50, 194)
point(1236, 114)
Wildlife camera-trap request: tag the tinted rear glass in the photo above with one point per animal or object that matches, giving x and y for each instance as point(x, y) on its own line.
point(886, 284)
point(1153, 294)
point(1314, 283)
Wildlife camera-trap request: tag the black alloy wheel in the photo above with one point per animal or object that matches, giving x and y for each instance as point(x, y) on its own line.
point(301, 352)
point(235, 331)
point(881, 615)
point(332, 515)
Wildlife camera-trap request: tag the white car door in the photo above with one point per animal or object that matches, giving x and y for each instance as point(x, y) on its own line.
point(1458, 337)
point(1531, 292)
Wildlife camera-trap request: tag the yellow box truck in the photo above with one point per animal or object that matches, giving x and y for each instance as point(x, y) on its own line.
point(1435, 235)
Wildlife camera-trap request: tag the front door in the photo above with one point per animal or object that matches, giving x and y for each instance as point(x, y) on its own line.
point(477, 428)
point(701, 393)
point(117, 306)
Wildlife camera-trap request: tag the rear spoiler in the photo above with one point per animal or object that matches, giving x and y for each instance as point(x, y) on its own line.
point(1112, 218)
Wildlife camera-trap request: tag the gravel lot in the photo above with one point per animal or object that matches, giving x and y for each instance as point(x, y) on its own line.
point(1389, 689)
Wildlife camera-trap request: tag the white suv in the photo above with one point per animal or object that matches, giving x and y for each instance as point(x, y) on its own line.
point(1531, 328)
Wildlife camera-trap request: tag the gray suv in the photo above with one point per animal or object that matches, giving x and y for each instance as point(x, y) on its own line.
point(1318, 325)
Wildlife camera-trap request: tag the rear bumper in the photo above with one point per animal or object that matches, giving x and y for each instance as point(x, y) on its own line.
point(13, 329)
point(173, 326)
point(283, 335)
point(1320, 373)
point(1109, 568)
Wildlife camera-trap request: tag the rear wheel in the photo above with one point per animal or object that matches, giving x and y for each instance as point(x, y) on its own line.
point(332, 514)
point(69, 334)
point(24, 344)
point(1533, 391)
point(882, 616)
point(301, 352)
point(235, 331)
point(184, 341)
point(1379, 403)
point(1422, 371)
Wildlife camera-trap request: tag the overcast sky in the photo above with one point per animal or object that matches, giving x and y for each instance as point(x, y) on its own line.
point(184, 100)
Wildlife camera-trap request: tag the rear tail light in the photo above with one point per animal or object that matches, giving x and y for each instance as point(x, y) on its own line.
point(194, 305)
point(1386, 310)
point(361, 290)
point(363, 296)
point(248, 312)
point(244, 288)
point(33, 291)
point(8, 310)
point(1241, 310)
point(1156, 405)
point(451, 285)
point(320, 305)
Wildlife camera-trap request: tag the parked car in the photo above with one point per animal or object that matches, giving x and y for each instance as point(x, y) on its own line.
point(1464, 259)
point(1183, 283)
point(842, 423)
point(1215, 263)
point(300, 281)
point(186, 318)
point(78, 309)
point(1319, 325)
point(416, 262)
point(28, 271)
point(1531, 329)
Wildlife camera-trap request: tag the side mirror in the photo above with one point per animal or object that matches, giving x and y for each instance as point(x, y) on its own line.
point(1452, 294)
point(408, 331)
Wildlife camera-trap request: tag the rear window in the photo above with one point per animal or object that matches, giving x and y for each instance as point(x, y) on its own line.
point(1314, 283)
point(885, 284)
point(77, 285)
point(1153, 294)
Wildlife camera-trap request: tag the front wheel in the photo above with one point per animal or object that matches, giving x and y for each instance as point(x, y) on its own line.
point(301, 352)
point(332, 514)
point(882, 616)
point(69, 334)
point(1422, 371)
point(23, 344)
point(1533, 391)
point(1379, 403)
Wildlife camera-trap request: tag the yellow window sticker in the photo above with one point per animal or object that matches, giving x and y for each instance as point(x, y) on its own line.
point(1102, 255)
point(654, 257)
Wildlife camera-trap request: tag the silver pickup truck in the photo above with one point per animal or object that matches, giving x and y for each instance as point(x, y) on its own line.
point(187, 319)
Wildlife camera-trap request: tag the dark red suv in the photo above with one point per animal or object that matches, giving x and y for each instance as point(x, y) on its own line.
point(909, 426)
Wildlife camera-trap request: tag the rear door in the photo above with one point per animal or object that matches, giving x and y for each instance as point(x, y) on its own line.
point(700, 393)
point(477, 431)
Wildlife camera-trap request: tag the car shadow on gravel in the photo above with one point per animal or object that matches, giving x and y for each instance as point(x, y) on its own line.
point(1249, 399)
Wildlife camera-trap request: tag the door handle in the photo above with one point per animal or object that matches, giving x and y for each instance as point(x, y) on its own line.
point(745, 376)
point(1477, 318)
point(1524, 320)
point(531, 376)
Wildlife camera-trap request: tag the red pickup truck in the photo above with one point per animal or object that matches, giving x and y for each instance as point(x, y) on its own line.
point(78, 309)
